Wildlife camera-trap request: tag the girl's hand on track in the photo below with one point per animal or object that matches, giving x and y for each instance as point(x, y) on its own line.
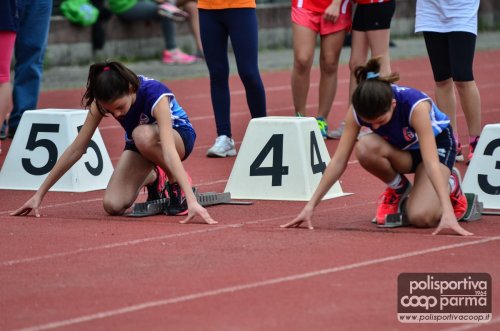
point(197, 209)
point(32, 204)
point(304, 216)
point(450, 222)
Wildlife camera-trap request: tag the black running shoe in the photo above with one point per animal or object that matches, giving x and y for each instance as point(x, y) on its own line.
point(177, 204)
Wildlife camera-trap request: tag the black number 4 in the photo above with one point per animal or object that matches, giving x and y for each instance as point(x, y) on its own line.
point(277, 170)
point(321, 165)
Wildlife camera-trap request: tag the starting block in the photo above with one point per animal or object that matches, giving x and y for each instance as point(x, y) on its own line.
point(41, 137)
point(280, 158)
point(473, 213)
point(156, 207)
point(396, 220)
point(474, 208)
point(483, 174)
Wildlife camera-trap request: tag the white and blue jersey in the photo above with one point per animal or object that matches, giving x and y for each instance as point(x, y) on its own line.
point(148, 95)
point(399, 131)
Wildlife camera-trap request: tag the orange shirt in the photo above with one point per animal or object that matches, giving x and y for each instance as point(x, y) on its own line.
point(225, 4)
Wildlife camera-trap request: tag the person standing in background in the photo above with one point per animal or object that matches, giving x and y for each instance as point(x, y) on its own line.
point(450, 32)
point(29, 52)
point(330, 20)
point(9, 23)
point(371, 30)
point(237, 20)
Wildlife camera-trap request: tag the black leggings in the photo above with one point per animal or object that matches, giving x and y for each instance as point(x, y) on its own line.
point(451, 55)
point(240, 25)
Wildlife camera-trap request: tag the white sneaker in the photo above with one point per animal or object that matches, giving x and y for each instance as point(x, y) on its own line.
point(337, 133)
point(224, 146)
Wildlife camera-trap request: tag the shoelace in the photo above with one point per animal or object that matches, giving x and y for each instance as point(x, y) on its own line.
point(389, 196)
point(220, 139)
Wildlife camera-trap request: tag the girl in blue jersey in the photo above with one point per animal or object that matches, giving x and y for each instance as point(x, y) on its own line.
point(158, 135)
point(410, 135)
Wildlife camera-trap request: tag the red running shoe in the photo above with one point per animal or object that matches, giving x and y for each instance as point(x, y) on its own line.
point(390, 200)
point(457, 197)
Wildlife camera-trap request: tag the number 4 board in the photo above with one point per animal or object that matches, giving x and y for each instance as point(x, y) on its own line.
point(41, 137)
point(280, 158)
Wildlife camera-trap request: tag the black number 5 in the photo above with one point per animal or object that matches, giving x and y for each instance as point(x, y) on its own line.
point(45, 143)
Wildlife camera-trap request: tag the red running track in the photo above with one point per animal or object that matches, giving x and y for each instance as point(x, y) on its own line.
point(78, 269)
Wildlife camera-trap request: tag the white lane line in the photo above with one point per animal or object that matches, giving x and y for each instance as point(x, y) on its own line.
point(279, 88)
point(158, 238)
point(77, 202)
point(248, 286)
point(114, 245)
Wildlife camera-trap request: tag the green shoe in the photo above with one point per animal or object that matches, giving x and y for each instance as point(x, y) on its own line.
point(323, 126)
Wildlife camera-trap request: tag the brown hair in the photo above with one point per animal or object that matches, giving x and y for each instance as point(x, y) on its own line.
point(108, 81)
point(373, 96)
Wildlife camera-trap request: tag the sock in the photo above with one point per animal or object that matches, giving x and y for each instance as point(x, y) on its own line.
point(396, 182)
point(453, 184)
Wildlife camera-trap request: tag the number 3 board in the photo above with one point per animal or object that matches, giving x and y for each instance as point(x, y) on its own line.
point(483, 174)
point(281, 158)
point(41, 137)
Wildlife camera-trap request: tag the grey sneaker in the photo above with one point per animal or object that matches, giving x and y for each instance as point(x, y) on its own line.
point(224, 146)
point(337, 133)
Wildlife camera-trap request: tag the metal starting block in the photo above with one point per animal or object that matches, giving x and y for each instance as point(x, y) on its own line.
point(474, 208)
point(155, 207)
point(395, 221)
point(398, 219)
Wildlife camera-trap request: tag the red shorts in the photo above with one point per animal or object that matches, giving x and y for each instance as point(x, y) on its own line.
point(315, 21)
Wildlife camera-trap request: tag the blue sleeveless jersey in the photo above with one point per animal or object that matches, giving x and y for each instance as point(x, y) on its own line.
point(148, 95)
point(398, 131)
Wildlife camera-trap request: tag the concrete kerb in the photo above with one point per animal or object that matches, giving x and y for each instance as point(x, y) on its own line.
point(65, 77)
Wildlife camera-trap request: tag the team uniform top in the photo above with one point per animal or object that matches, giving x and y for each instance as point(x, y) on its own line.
point(398, 131)
point(148, 95)
point(320, 5)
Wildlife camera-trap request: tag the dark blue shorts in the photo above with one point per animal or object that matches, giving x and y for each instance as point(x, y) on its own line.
point(187, 134)
point(446, 147)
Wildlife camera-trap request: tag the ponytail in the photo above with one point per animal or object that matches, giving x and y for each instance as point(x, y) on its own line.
point(108, 81)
